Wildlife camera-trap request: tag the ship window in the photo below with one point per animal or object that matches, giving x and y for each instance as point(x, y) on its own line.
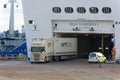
point(69, 10)
point(81, 10)
point(93, 10)
point(30, 21)
point(56, 9)
point(106, 10)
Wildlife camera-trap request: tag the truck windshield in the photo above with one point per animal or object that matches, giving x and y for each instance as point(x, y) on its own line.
point(37, 49)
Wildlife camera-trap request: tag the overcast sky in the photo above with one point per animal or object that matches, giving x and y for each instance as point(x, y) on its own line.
point(4, 15)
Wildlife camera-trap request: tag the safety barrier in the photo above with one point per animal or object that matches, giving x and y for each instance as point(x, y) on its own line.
point(13, 57)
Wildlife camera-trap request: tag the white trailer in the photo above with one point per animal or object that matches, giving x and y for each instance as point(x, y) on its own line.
point(65, 48)
point(49, 49)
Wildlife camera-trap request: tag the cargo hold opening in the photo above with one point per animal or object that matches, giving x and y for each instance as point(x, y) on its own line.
point(87, 43)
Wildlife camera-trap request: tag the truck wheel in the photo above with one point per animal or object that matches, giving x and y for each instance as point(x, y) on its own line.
point(45, 60)
point(31, 62)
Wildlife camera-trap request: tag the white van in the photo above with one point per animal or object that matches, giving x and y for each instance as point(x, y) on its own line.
point(93, 57)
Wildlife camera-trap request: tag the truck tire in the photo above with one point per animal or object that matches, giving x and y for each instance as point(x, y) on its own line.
point(46, 60)
point(31, 62)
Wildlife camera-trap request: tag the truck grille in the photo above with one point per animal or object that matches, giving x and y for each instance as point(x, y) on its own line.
point(36, 57)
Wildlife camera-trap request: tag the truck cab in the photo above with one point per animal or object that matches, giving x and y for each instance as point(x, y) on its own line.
point(41, 51)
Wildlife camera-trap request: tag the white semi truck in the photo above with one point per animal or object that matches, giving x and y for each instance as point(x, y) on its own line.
point(53, 49)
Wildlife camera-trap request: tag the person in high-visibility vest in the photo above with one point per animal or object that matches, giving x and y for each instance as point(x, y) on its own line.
point(100, 60)
point(113, 53)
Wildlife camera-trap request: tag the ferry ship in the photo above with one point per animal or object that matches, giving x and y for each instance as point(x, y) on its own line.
point(95, 23)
